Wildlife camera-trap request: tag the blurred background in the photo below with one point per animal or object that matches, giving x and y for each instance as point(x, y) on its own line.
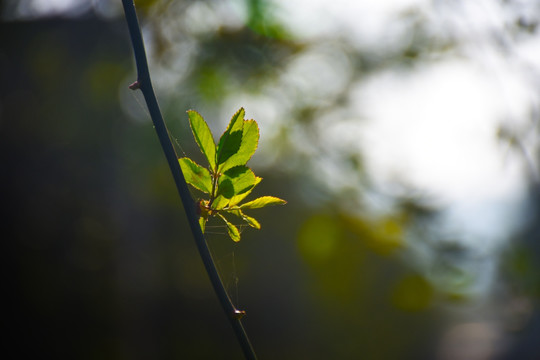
point(403, 133)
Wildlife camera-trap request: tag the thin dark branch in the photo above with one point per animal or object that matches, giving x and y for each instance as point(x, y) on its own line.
point(145, 85)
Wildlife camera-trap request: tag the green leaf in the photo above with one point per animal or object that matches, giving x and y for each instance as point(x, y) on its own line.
point(227, 180)
point(196, 175)
point(203, 137)
point(231, 229)
point(219, 202)
point(225, 187)
point(230, 141)
point(251, 221)
point(237, 198)
point(202, 223)
point(248, 145)
point(235, 181)
point(262, 202)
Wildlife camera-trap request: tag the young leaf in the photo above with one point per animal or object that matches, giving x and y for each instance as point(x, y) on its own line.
point(262, 202)
point(237, 198)
point(231, 229)
point(235, 181)
point(248, 145)
point(196, 175)
point(251, 221)
point(203, 137)
point(202, 223)
point(230, 141)
point(219, 202)
point(228, 180)
point(225, 187)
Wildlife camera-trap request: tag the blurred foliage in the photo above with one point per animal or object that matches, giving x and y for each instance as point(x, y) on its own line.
point(521, 263)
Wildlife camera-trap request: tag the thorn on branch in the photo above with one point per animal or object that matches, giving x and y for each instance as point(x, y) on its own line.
point(135, 86)
point(238, 314)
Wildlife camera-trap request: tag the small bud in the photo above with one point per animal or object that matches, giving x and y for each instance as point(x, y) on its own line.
point(202, 208)
point(238, 314)
point(136, 85)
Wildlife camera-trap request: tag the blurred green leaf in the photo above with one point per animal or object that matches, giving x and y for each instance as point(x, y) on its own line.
point(412, 293)
point(261, 20)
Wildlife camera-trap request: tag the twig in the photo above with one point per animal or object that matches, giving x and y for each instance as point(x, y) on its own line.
point(145, 85)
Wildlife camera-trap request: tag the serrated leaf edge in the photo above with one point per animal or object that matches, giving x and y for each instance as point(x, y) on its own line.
point(187, 180)
point(253, 204)
point(211, 159)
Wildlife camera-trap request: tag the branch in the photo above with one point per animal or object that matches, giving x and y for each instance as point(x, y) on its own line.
point(144, 83)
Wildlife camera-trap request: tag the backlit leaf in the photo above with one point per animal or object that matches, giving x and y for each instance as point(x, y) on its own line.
point(219, 202)
point(196, 175)
point(237, 198)
point(236, 181)
point(248, 145)
point(203, 137)
point(262, 202)
point(202, 223)
point(225, 187)
point(251, 221)
point(227, 181)
point(231, 229)
point(230, 141)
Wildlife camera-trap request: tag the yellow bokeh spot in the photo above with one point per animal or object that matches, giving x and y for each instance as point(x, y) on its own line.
point(383, 236)
point(412, 293)
point(387, 236)
point(318, 238)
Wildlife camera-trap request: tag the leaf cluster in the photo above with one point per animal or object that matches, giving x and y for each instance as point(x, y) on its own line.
point(227, 180)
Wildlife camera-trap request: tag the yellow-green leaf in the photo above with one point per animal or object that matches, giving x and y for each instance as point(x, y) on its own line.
point(202, 223)
point(196, 175)
point(237, 198)
point(262, 202)
point(219, 202)
point(251, 221)
point(235, 181)
point(203, 137)
point(248, 145)
point(230, 141)
point(231, 229)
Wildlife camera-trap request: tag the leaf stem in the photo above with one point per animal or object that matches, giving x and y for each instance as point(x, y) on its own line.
point(215, 179)
point(145, 85)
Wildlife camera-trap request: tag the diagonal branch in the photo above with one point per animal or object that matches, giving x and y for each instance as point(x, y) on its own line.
point(145, 85)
